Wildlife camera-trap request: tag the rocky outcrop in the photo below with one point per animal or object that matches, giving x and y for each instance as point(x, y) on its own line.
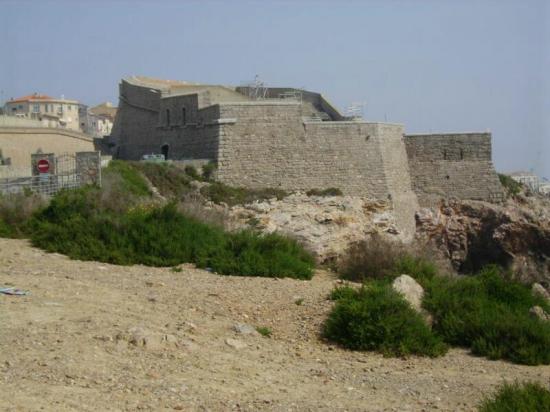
point(472, 234)
point(324, 225)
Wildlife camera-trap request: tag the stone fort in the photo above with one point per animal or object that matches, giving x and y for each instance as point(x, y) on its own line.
point(296, 140)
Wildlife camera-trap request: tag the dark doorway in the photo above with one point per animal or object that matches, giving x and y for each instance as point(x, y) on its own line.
point(164, 150)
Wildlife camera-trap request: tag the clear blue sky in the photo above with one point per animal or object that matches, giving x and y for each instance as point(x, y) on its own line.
point(433, 65)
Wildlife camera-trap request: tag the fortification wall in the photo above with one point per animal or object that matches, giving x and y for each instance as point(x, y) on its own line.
point(397, 176)
point(452, 166)
point(269, 145)
point(136, 121)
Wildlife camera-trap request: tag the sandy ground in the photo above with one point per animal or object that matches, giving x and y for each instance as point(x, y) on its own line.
point(66, 346)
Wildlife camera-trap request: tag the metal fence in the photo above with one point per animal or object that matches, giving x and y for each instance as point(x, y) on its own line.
point(65, 173)
point(47, 185)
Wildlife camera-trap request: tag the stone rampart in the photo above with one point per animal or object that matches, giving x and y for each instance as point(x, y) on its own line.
point(452, 166)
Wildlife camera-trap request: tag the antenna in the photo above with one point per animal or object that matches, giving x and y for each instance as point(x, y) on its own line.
point(256, 89)
point(355, 110)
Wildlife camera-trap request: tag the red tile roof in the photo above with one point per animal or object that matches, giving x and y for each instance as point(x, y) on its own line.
point(31, 97)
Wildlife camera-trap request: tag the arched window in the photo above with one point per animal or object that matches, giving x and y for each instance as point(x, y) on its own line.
point(461, 154)
point(183, 116)
point(444, 154)
point(167, 117)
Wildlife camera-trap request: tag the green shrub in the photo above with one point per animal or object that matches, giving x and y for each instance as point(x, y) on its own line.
point(490, 314)
point(222, 193)
point(264, 331)
point(379, 319)
point(208, 171)
point(170, 181)
point(192, 172)
point(526, 397)
point(331, 191)
point(73, 225)
point(510, 185)
point(343, 292)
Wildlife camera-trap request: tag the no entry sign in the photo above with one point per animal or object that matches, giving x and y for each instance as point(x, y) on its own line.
point(43, 166)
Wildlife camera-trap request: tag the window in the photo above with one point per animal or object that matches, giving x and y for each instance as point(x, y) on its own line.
point(36, 108)
point(183, 116)
point(461, 154)
point(167, 117)
point(444, 155)
point(46, 107)
point(70, 107)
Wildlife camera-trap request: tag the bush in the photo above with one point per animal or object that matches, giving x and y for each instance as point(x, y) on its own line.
point(343, 292)
point(16, 210)
point(73, 225)
point(526, 397)
point(192, 172)
point(170, 181)
point(222, 193)
point(208, 171)
point(510, 185)
point(490, 314)
point(378, 258)
point(331, 191)
point(375, 258)
point(377, 318)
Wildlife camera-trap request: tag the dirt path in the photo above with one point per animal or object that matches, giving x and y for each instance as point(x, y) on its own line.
point(66, 346)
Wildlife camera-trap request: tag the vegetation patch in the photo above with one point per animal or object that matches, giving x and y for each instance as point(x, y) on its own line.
point(516, 397)
point(208, 171)
point(132, 181)
point(512, 187)
point(376, 318)
point(15, 211)
point(222, 193)
point(73, 225)
point(170, 181)
point(489, 313)
point(331, 191)
point(378, 258)
point(264, 331)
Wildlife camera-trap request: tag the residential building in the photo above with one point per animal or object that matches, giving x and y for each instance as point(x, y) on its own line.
point(50, 111)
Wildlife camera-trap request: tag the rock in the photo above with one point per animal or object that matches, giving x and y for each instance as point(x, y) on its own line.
point(150, 340)
point(539, 290)
point(411, 291)
point(235, 344)
point(326, 226)
point(470, 234)
point(244, 329)
point(538, 312)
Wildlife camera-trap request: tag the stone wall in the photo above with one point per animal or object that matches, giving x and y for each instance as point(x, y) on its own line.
point(452, 166)
point(142, 125)
point(88, 167)
point(136, 121)
point(19, 143)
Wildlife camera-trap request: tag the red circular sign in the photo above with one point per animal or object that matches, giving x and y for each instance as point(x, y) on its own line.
point(43, 166)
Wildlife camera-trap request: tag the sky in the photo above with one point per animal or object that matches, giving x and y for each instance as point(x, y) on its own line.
point(432, 65)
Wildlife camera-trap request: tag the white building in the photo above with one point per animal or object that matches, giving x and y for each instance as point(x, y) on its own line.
point(50, 111)
point(528, 179)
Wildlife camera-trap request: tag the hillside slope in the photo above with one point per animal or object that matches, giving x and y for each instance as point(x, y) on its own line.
point(93, 336)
